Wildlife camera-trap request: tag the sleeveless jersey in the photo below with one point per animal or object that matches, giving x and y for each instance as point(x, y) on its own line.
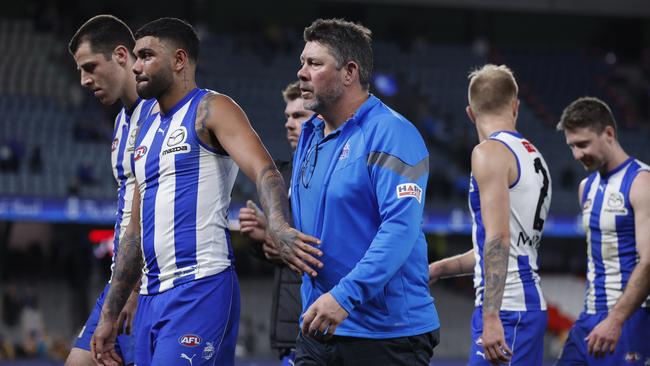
point(608, 220)
point(185, 188)
point(530, 198)
point(124, 133)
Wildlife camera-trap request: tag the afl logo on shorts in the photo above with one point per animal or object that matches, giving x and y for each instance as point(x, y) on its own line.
point(139, 152)
point(189, 340)
point(115, 144)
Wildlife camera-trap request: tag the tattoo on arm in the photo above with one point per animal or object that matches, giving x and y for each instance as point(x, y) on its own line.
point(273, 197)
point(203, 115)
point(495, 259)
point(128, 272)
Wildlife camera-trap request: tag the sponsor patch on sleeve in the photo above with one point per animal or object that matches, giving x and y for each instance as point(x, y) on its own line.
point(406, 190)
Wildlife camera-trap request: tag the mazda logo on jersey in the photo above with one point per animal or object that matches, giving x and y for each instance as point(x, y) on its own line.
point(615, 200)
point(132, 136)
point(176, 137)
point(139, 152)
point(189, 340)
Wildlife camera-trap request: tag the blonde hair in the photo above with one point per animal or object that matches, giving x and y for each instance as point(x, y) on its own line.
point(491, 88)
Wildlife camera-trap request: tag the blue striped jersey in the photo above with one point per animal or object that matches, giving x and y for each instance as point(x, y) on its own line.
point(530, 198)
point(185, 187)
point(608, 220)
point(124, 133)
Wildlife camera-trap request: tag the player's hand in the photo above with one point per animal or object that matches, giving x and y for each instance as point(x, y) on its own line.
point(125, 319)
point(495, 348)
point(252, 221)
point(102, 343)
point(296, 249)
point(603, 337)
point(434, 273)
point(270, 251)
point(323, 317)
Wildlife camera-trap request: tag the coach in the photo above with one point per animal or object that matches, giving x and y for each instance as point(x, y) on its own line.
point(359, 177)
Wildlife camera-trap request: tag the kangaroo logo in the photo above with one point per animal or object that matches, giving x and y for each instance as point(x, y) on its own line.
point(188, 358)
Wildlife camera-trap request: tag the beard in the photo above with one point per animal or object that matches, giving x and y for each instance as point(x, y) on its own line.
point(156, 85)
point(325, 99)
point(592, 164)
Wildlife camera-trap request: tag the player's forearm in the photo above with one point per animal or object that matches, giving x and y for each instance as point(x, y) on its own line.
point(456, 265)
point(273, 197)
point(635, 292)
point(127, 274)
point(495, 262)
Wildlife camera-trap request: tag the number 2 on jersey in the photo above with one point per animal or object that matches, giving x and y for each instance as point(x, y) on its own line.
point(543, 192)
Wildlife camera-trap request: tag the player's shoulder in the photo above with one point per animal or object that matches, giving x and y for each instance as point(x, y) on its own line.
point(489, 150)
point(212, 101)
point(641, 181)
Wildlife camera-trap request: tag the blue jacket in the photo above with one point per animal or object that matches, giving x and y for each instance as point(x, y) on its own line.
point(369, 221)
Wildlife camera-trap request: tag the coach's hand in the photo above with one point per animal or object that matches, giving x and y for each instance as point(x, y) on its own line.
point(322, 317)
point(604, 336)
point(102, 343)
point(296, 249)
point(125, 319)
point(494, 343)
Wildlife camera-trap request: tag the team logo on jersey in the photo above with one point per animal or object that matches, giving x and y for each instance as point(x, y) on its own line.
point(616, 204)
point(139, 152)
point(406, 190)
point(114, 145)
point(189, 340)
point(208, 351)
point(632, 357)
point(346, 151)
point(176, 140)
point(587, 204)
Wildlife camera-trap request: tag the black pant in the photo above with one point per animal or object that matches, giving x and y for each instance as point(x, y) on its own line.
point(415, 350)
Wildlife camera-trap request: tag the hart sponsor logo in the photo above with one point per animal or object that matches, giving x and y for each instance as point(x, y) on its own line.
point(189, 340)
point(115, 144)
point(139, 152)
point(406, 190)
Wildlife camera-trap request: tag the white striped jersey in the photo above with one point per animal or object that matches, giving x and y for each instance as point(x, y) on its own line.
point(124, 133)
point(608, 220)
point(185, 188)
point(530, 198)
